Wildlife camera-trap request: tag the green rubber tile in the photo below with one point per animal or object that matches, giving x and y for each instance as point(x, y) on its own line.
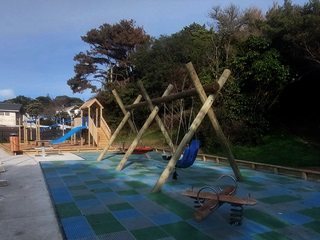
point(106, 177)
point(136, 184)
point(119, 206)
point(110, 227)
point(101, 218)
point(302, 189)
point(128, 192)
point(315, 226)
point(254, 183)
point(48, 169)
point(270, 236)
point(183, 230)
point(149, 233)
point(66, 210)
point(93, 182)
point(101, 190)
point(171, 204)
point(84, 197)
point(279, 199)
point(69, 178)
point(77, 187)
point(312, 212)
point(104, 223)
point(264, 219)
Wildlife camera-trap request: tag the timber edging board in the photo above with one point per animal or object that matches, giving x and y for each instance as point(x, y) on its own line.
point(305, 174)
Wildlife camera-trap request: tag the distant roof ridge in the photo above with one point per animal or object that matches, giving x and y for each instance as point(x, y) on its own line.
point(10, 106)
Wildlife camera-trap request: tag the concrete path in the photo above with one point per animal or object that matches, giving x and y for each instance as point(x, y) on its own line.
point(26, 211)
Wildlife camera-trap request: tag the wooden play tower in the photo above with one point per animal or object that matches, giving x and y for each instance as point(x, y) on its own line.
point(98, 132)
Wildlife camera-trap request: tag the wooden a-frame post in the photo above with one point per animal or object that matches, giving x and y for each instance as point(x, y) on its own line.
point(142, 131)
point(186, 139)
point(158, 119)
point(214, 120)
point(121, 125)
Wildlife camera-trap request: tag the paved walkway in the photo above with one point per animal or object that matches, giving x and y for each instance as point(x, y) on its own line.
point(93, 201)
point(26, 211)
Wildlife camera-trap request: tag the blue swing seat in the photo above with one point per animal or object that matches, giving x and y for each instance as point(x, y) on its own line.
point(189, 155)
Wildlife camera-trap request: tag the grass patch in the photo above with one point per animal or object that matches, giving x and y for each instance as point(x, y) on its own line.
point(280, 148)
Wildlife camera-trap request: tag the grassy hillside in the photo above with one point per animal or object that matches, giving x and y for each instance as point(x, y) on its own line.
point(279, 147)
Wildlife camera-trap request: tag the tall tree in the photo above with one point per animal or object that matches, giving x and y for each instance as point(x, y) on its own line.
point(297, 28)
point(109, 57)
point(295, 32)
point(34, 108)
point(231, 24)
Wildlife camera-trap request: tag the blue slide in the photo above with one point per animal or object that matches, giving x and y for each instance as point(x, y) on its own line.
point(68, 135)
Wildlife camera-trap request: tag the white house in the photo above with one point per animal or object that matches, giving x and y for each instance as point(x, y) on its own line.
point(10, 114)
point(72, 111)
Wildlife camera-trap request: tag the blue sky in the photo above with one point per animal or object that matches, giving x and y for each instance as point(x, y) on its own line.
point(39, 38)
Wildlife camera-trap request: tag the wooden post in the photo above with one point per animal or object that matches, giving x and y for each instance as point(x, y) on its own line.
point(158, 119)
point(89, 126)
point(141, 132)
point(38, 129)
point(213, 119)
point(186, 139)
point(124, 111)
point(119, 128)
point(19, 131)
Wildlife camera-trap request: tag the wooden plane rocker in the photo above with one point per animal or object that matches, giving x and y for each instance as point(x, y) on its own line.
point(215, 200)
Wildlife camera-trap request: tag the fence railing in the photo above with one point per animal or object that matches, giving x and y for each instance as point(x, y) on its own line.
point(305, 174)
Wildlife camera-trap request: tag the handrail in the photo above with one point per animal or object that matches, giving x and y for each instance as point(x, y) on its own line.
point(105, 128)
point(93, 130)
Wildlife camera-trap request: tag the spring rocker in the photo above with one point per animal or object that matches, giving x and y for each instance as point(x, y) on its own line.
point(207, 202)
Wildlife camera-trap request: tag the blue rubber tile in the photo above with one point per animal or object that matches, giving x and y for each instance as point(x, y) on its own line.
point(165, 218)
point(312, 202)
point(76, 228)
point(134, 198)
point(123, 235)
point(252, 227)
point(126, 214)
point(295, 218)
point(61, 195)
point(88, 202)
point(97, 209)
point(139, 222)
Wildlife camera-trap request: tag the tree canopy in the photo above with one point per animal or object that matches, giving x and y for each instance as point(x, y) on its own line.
point(109, 58)
point(267, 53)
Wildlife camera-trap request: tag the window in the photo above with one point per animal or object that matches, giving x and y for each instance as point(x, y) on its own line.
point(4, 113)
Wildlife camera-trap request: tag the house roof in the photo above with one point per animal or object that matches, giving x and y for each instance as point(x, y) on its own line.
point(10, 107)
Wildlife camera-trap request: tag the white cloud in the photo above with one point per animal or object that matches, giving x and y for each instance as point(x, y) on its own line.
point(6, 94)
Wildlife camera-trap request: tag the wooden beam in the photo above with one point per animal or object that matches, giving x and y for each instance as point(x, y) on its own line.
point(119, 128)
point(158, 119)
point(213, 119)
point(209, 88)
point(141, 132)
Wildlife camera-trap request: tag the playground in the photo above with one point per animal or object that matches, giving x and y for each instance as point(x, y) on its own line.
point(140, 193)
point(91, 200)
point(89, 130)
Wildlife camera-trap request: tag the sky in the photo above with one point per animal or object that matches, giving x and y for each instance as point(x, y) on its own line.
point(39, 38)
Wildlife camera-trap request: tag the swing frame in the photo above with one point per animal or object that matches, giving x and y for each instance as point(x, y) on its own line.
point(205, 110)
